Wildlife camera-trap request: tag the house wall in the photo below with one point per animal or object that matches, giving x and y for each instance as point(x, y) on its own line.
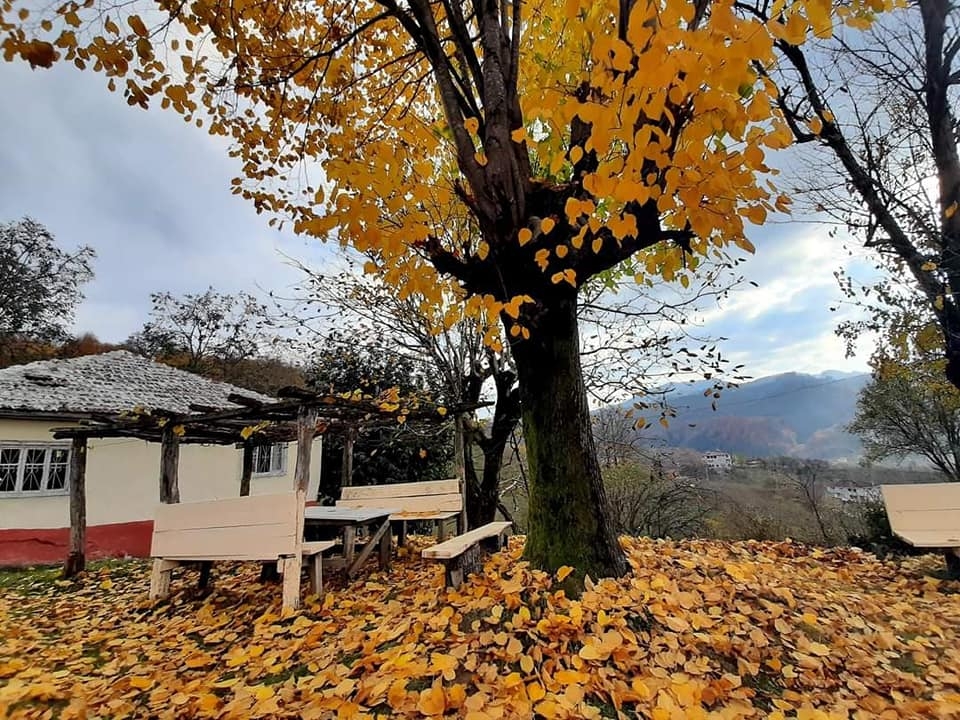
point(122, 485)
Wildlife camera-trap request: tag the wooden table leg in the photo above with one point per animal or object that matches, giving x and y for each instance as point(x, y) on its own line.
point(349, 544)
point(368, 548)
point(385, 541)
point(402, 534)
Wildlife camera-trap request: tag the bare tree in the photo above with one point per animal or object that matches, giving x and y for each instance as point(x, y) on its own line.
point(879, 107)
point(41, 285)
point(365, 312)
point(807, 478)
point(200, 329)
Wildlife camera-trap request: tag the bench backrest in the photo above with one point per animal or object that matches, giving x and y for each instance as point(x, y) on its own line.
point(429, 496)
point(256, 527)
point(930, 506)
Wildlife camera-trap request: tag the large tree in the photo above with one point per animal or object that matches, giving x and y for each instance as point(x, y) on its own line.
point(879, 108)
point(41, 284)
point(571, 135)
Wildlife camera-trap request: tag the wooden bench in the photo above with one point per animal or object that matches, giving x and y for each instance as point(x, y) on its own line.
point(254, 528)
point(436, 500)
point(926, 516)
point(461, 555)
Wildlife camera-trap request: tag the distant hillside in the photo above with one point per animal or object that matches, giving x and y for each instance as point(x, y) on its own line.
point(789, 414)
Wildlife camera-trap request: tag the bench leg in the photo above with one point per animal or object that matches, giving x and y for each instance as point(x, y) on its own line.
point(459, 567)
point(160, 578)
point(204, 580)
point(290, 567)
point(952, 556)
point(402, 534)
point(316, 575)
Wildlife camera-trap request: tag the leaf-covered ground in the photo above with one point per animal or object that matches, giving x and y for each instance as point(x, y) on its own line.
point(701, 629)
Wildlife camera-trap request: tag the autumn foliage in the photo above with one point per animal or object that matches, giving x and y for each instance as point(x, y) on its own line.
point(700, 630)
point(500, 153)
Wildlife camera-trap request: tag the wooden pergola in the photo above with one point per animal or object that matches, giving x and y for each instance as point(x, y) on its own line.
point(298, 414)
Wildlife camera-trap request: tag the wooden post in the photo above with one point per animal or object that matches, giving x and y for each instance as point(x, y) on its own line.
point(306, 429)
point(246, 469)
point(169, 466)
point(346, 468)
point(77, 558)
point(459, 457)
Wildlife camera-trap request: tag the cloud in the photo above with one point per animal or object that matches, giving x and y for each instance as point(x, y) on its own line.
point(149, 193)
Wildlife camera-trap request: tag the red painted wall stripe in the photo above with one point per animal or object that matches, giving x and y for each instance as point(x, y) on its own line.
point(42, 546)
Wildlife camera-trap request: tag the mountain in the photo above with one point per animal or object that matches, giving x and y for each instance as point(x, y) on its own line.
point(789, 414)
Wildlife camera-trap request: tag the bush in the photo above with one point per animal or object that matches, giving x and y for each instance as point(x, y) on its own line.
point(874, 533)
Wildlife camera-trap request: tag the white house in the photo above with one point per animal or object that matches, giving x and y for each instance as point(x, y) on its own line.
point(717, 460)
point(122, 477)
point(855, 494)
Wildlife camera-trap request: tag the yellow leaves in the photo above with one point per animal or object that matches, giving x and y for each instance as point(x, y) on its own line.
point(564, 572)
point(39, 53)
point(929, 266)
point(547, 225)
point(481, 159)
point(569, 276)
point(445, 665)
point(179, 430)
point(536, 692)
point(950, 210)
point(561, 251)
point(432, 701)
point(542, 258)
point(441, 411)
point(400, 641)
point(483, 249)
point(519, 135)
point(472, 125)
point(136, 24)
point(524, 236)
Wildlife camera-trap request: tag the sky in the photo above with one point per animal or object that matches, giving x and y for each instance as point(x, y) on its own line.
point(151, 195)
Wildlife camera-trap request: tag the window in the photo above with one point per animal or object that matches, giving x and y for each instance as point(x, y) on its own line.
point(270, 459)
point(33, 470)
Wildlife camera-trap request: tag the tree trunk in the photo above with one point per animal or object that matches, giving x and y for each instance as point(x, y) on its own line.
point(77, 558)
point(346, 460)
point(568, 518)
point(486, 493)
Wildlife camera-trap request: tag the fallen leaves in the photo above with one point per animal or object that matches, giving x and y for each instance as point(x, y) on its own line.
point(699, 630)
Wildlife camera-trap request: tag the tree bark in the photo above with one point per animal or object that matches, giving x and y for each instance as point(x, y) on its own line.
point(346, 466)
point(568, 517)
point(306, 429)
point(77, 558)
point(169, 466)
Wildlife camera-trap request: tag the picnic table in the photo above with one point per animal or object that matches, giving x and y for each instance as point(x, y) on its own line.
point(348, 521)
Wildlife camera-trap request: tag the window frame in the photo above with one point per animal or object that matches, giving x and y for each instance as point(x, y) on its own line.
point(23, 447)
point(277, 450)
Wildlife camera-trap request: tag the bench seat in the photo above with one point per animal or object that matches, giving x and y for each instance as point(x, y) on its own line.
point(461, 554)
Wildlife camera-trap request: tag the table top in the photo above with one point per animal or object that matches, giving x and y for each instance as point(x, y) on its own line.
point(345, 516)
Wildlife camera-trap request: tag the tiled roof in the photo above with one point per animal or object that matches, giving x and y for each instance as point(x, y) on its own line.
point(111, 382)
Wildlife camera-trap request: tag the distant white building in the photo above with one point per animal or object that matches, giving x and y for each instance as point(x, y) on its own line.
point(855, 494)
point(717, 460)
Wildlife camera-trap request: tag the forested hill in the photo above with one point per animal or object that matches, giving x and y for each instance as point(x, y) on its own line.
point(788, 414)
